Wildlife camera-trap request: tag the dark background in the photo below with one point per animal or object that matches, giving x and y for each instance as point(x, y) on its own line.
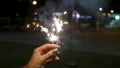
point(10, 7)
point(79, 48)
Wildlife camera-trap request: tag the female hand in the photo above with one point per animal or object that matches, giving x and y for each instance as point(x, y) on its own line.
point(42, 55)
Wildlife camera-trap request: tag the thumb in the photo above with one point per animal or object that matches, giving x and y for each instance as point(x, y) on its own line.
point(49, 54)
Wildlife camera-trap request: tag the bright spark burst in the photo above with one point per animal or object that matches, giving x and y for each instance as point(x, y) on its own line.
point(53, 38)
point(58, 24)
point(44, 29)
point(54, 30)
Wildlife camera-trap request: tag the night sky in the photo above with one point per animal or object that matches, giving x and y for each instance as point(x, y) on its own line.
point(10, 7)
point(115, 4)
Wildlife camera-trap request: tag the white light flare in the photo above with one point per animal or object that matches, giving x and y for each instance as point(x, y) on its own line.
point(112, 11)
point(44, 29)
point(54, 32)
point(65, 12)
point(100, 9)
point(28, 26)
point(58, 24)
point(53, 29)
point(34, 2)
point(37, 25)
point(53, 38)
point(66, 23)
point(58, 27)
point(48, 34)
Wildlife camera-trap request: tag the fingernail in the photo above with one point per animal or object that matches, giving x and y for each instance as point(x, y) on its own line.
point(55, 50)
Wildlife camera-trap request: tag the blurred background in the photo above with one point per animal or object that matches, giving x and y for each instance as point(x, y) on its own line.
point(89, 39)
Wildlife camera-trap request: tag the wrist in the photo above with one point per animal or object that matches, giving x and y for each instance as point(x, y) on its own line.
point(29, 65)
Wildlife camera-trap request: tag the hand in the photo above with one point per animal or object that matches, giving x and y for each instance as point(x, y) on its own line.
point(42, 55)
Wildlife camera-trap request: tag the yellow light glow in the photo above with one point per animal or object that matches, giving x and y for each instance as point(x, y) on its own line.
point(34, 2)
point(104, 14)
point(109, 14)
point(28, 26)
point(54, 18)
point(33, 23)
point(48, 34)
point(37, 25)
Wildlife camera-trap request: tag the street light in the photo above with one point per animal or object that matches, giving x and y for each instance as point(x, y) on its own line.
point(104, 14)
point(111, 11)
point(109, 14)
point(100, 9)
point(65, 12)
point(117, 17)
point(34, 2)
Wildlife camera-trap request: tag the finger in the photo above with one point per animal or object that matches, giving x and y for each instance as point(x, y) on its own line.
point(48, 47)
point(57, 58)
point(57, 52)
point(54, 58)
point(49, 60)
point(49, 54)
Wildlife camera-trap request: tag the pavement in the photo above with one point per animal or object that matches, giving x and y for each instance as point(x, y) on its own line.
point(88, 49)
point(106, 42)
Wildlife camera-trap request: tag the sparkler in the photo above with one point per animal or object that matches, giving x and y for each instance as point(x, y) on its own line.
point(54, 31)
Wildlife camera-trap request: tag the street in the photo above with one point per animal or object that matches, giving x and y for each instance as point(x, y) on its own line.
point(78, 49)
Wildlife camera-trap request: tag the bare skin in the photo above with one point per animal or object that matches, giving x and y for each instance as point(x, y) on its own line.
point(43, 55)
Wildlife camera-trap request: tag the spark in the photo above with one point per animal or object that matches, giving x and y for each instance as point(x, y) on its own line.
point(48, 34)
point(53, 29)
point(65, 22)
point(53, 38)
point(53, 33)
point(44, 29)
point(58, 24)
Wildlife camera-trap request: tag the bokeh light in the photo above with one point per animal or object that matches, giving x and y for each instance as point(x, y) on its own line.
point(34, 2)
